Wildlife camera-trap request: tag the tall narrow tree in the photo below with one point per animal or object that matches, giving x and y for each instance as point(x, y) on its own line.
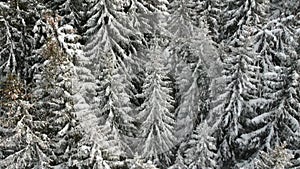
point(240, 18)
point(275, 121)
point(155, 114)
point(114, 110)
point(232, 105)
point(202, 150)
point(190, 65)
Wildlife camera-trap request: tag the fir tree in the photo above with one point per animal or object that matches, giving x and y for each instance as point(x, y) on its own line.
point(155, 113)
point(53, 95)
point(114, 110)
point(190, 65)
point(275, 159)
point(202, 150)
point(240, 18)
point(275, 120)
point(16, 22)
point(22, 146)
point(231, 106)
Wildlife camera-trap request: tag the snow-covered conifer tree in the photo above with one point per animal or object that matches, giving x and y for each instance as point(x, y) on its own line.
point(53, 97)
point(113, 108)
point(231, 106)
point(85, 86)
point(192, 54)
point(202, 150)
point(275, 159)
point(275, 120)
point(208, 10)
point(89, 154)
point(179, 162)
point(74, 13)
point(110, 30)
point(146, 14)
point(155, 114)
point(239, 19)
point(22, 146)
point(193, 84)
point(122, 28)
point(16, 21)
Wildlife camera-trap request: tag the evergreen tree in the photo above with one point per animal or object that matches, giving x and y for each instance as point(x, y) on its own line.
point(47, 124)
point(110, 30)
point(16, 22)
point(276, 159)
point(193, 98)
point(275, 120)
point(74, 13)
point(279, 157)
point(124, 28)
point(287, 11)
point(231, 106)
point(89, 154)
point(147, 18)
point(208, 10)
point(22, 146)
point(114, 109)
point(85, 87)
point(240, 18)
point(190, 65)
point(146, 15)
point(201, 151)
point(53, 95)
point(155, 113)
point(179, 162)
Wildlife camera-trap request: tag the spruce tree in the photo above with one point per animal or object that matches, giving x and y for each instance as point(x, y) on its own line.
point(110, 30)
point(232, 106)
point(155, 113)
point(240, 18)
point(191, 55)
point(277, 158)
point(202, 150)
point(114, 110)
point(275, 120)
point(22, 144)
point(17, 19)
point(53, 98)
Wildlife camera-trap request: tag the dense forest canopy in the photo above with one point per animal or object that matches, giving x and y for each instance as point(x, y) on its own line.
point(146, 84)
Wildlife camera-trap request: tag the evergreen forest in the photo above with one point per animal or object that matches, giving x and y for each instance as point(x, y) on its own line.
point(149, 84)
